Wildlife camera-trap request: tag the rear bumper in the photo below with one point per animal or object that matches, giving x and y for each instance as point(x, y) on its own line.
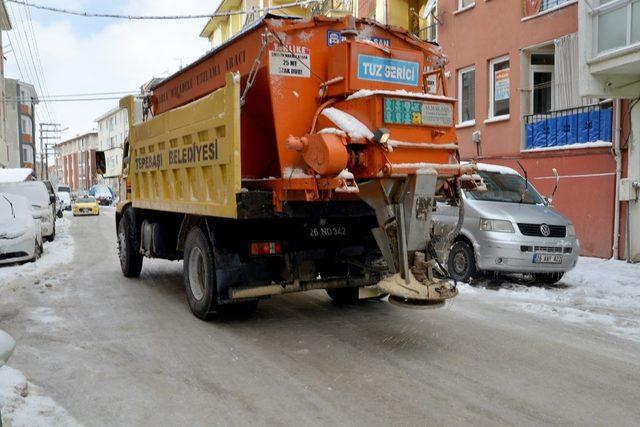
point(506, 254)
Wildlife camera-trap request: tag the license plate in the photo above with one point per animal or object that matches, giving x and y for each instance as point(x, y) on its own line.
point(86, 210)
point(326, 231)
point(547, 259)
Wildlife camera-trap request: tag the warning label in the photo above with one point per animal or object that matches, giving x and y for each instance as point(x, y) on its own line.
point(290, 60)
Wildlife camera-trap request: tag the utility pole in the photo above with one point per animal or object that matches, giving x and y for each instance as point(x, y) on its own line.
point(48, 131)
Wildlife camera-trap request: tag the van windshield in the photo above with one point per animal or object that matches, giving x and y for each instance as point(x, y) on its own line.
point(502, 187)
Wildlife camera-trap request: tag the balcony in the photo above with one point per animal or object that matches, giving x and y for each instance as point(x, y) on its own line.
point(555, 129)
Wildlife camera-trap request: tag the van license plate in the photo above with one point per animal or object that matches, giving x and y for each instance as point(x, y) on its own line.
point(547, 259)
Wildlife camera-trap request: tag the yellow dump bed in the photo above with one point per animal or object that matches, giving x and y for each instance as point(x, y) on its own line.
point(187, 160)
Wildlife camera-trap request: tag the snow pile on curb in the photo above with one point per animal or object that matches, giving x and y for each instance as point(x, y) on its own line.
point(58, 252)
point(599, 293)
point(22, 404)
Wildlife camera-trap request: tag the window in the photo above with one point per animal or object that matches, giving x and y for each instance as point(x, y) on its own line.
point(550, 4)
point(463, 4)
point(426, 27)
point(499, 88)
point(466, 96)
point(617, 24)
point(541, 83)
point(26, 125)
point(27, 154)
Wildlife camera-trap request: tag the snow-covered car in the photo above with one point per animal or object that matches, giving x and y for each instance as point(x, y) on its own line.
point(53, 195)
point(42, 205)
point(7, 344)
point(64, 194)
point(508, 228)
point(20, 236)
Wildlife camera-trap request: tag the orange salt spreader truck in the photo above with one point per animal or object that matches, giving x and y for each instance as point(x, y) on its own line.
point(301, 154)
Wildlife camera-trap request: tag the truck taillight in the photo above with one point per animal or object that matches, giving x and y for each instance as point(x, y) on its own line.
point(265, 248)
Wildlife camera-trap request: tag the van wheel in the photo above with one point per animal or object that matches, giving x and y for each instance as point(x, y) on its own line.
point(344, 296)
point(128, 244)
point(547, 278)
point(462, 262)
point(200, 281)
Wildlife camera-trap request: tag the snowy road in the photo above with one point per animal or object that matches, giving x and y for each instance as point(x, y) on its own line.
point(114, 351)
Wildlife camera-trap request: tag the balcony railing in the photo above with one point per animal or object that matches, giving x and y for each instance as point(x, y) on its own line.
point(590, 123)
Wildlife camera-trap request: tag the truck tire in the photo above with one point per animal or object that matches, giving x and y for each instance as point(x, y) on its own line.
point(344, 296)
point(462, 262)
point(200, 281)
point(128, 244)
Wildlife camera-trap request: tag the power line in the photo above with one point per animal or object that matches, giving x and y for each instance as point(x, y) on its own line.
point(38, 80)
point(41, 68)
point(8, 99)
point(159, 17)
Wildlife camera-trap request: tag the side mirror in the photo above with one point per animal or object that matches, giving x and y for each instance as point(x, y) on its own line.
point(101, 163)
point(555, 187)
point(59, 214)
point(7, 344)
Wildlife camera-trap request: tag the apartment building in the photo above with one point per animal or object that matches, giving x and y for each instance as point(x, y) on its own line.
point(5, 25)
point(76, 162)
point(113, 129)
point(609, 64)
point(19, 123)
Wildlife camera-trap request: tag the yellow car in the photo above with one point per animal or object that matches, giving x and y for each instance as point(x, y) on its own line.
point(86, 206)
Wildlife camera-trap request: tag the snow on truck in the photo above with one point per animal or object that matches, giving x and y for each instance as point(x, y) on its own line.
point(302, 154)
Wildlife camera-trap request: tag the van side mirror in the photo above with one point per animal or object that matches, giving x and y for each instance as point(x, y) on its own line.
point(555, 187)
point(101, 163)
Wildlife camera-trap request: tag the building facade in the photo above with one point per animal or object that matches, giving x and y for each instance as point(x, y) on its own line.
point(20, 130)
point(609, 60)
point(113, 129)
point(513, 66)
point(5, 25)
point(220, 29)
point(76, 162)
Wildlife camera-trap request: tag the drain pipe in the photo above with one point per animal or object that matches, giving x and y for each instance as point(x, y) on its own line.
point(618, 158)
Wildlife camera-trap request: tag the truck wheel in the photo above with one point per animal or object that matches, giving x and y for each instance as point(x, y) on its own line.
point(344, 296)
point(199, 274)
point(462, 262)
point(130, 257)
point(200, 282)
point(547, 278)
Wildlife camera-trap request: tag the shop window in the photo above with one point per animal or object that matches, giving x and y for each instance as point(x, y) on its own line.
point(499, 88)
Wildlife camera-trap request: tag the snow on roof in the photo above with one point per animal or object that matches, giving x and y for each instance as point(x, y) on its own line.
point(349, 124)
point(486, 167)
point(362, 93)
point(15, 174)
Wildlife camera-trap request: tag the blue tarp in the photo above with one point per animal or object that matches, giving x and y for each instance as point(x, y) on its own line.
point(586, 126)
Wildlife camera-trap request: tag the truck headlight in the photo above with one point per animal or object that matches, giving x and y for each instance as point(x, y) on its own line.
point(571, 231)
point(499, 225)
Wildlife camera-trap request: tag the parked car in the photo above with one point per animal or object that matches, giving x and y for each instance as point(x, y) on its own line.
point(64, 193)
point(52, 192)
point(509, 227)
point(20, 235)
point(102, 193)
point(42, 204)
point(87, 205)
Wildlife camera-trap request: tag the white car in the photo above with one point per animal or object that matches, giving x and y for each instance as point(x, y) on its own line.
point(42, 205)
point(64, 193)
point(20, 235)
